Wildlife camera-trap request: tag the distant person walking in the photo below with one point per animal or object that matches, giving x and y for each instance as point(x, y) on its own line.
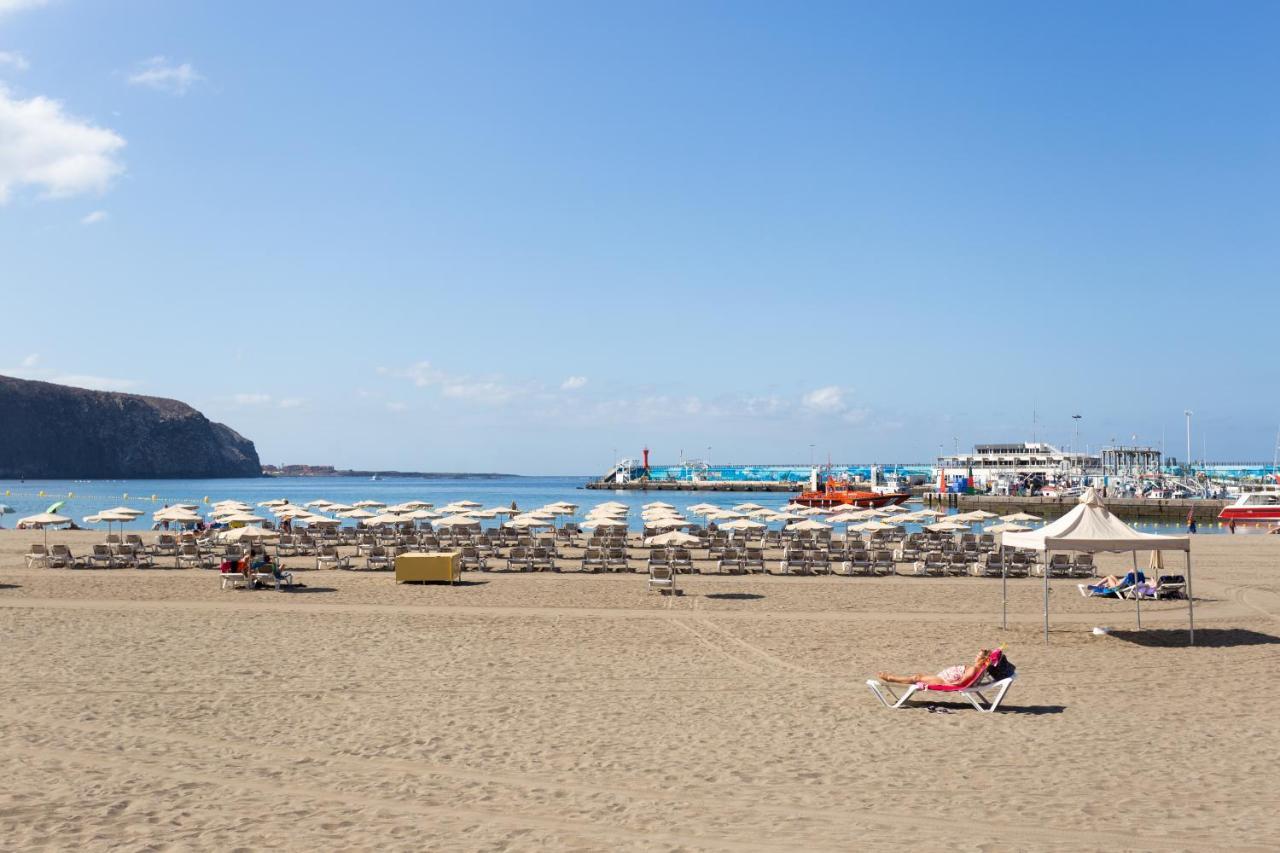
point(1191, 522)
point(1232, 525)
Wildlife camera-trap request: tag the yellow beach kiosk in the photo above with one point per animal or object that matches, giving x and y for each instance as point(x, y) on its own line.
point(443, 566)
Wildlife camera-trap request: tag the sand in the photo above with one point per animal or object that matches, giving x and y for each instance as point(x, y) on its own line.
point(151, 710)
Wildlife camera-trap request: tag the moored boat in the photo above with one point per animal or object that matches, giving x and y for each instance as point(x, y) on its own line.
point(836, 493)
point(1261, 507)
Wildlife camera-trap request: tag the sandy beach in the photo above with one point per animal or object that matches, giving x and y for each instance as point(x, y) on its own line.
point(151, 710)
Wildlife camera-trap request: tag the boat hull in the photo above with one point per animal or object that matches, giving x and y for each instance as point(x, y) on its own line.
point(1256, 514)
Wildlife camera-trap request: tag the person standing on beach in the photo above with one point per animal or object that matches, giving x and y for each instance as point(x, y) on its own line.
point(1191, 521)
point(1232, 525)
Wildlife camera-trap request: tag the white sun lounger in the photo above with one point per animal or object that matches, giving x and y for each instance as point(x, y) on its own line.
point(974, 693)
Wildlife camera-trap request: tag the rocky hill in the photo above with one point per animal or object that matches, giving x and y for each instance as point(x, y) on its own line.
point(52, 431)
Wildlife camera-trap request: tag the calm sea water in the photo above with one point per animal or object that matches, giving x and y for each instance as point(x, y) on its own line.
point(87, 497)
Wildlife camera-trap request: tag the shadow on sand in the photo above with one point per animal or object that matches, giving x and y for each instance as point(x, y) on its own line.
point(734, 596)
point(1212, 638)
point(10, 586)
point(1005, 708)
point(299, 589)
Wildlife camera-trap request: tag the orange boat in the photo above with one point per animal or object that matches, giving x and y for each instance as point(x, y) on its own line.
point(837, 493)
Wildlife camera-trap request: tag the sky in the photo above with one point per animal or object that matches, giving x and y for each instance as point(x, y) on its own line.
point(535, 237)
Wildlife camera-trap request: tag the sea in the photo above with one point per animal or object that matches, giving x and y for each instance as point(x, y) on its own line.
point(80, 498)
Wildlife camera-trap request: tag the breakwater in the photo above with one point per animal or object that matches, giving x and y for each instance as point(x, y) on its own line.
point(698, 486)
point(1171, 510)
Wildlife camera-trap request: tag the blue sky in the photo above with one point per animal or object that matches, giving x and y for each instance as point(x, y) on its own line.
point(521, 237)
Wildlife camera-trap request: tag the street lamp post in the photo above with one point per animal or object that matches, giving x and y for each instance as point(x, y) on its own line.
point(1075, 443)
point(1188, 413)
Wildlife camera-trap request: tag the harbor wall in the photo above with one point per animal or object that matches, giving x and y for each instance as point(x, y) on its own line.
point(699, 486)
point(1148, 509)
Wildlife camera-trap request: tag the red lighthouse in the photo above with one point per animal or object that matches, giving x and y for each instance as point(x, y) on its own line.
point(646, 462)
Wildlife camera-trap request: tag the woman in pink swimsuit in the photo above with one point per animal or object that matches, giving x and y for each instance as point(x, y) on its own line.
point(952, 675)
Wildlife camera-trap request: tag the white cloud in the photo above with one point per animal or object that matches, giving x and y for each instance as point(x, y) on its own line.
point(573, 383)
point(290, 403)
point(94, 218)
point(163, 76)
point(491, 391)
point(42, 146)
point(827, 399)
point(7, 6)
point(14, 60)
point(94, 383)
point(251, 399)
point(396, 407)
point(31, 360)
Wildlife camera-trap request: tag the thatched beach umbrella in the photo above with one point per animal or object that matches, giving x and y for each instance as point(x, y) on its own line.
point(1019, 517)
point(44, 520)
point(251, 532)
point(808, 524)
point(673, 537)
point(743, 524)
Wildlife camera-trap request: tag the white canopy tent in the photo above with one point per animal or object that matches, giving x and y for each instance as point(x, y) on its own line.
point(1091, 528)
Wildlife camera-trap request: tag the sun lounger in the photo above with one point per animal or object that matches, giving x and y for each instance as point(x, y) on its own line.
point(1082, 566)
point(1125, 589)
point(1170, 586)
point(592, 560)
point(882, 562)
point(37, 555)
point(189, 557)
point(281, 580)
point(615, 560)
point(233, 580)
point(933, 565)
point(662, 578)
point(542, 559)
point(60, 557)
point(328, 558)
point(974, 690)
point(166, 545)
point(794, 562)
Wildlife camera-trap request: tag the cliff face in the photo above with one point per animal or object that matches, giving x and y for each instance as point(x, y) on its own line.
point(52, 431)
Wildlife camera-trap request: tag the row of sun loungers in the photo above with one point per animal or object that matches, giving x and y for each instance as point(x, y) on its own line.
point(615, 557)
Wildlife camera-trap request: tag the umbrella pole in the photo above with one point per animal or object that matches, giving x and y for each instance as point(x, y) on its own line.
point(1004, 595)
point(1191, 602)
point(1137, 591)
point(1047, 559)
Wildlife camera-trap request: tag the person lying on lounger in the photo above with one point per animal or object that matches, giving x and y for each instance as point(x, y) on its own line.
point(952, 675)
point(1111, 585)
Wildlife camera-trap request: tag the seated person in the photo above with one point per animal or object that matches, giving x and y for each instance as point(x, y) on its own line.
point(280, 575)
point(949, 677)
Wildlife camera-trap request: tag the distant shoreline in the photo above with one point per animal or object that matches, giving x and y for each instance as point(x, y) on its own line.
point(397, 475)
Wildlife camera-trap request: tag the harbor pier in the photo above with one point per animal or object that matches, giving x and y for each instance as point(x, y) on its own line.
point(1130, 509)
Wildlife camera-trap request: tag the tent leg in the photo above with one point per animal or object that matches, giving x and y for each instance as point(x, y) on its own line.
point(1137, 591)
point(1191, 601)
point(1048, 558)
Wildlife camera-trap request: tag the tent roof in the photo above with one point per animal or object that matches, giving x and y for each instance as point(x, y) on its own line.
point(1091, 527)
